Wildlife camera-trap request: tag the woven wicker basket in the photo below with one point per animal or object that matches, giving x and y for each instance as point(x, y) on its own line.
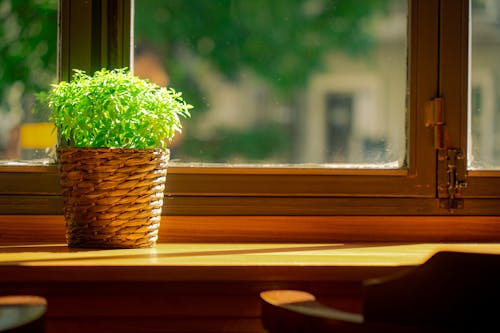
point(112, 197)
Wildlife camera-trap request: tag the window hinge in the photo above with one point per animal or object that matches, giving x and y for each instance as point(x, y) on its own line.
point(452, 178)
point(434, 116)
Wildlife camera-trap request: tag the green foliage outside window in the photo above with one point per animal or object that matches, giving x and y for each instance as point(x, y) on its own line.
point(28, 50)
point(283, 41)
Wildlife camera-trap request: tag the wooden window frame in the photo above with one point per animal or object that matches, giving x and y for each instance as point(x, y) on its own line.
point(96, 34)
point(483, 186)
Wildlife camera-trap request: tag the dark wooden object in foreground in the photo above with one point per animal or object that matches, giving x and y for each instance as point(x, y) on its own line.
point(22, 314)
point(450, 292)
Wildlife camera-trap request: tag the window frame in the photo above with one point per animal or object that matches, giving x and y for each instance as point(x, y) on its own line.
point(96, 34)
point(482, 188)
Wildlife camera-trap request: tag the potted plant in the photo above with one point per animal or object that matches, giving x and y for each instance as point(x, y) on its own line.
point(113, 134)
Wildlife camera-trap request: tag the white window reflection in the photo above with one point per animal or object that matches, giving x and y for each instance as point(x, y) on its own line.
point(484, 87)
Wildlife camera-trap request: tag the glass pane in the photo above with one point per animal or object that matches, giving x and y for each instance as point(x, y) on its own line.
point(307, 82)
point(28, 54)
point(484, 92)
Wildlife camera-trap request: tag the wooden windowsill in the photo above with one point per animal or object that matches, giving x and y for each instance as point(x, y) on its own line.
point(244, 248)
point(197, 287)
point(205, 262)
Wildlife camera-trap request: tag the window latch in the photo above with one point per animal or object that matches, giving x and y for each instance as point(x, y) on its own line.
point(452, 178)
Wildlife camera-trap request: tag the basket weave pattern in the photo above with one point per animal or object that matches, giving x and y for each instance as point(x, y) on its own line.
point(112, 197)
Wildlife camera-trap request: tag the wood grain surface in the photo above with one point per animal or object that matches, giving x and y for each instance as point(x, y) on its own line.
point(188, 229)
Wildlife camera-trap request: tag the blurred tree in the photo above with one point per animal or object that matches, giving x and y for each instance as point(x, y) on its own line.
point(28, 46)
point(280, 40)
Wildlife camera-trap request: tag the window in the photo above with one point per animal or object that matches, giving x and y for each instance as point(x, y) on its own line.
point(437, 67)
point(259, 79)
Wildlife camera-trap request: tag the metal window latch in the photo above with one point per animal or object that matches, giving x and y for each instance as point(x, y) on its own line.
point(452, 178)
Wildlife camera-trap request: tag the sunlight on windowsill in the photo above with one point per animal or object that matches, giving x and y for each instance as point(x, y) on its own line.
point(223, 254)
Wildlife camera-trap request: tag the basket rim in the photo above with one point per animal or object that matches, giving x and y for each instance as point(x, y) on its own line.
point(112, 149)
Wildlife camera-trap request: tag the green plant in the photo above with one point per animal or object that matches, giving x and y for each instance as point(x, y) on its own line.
point(113, 108)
